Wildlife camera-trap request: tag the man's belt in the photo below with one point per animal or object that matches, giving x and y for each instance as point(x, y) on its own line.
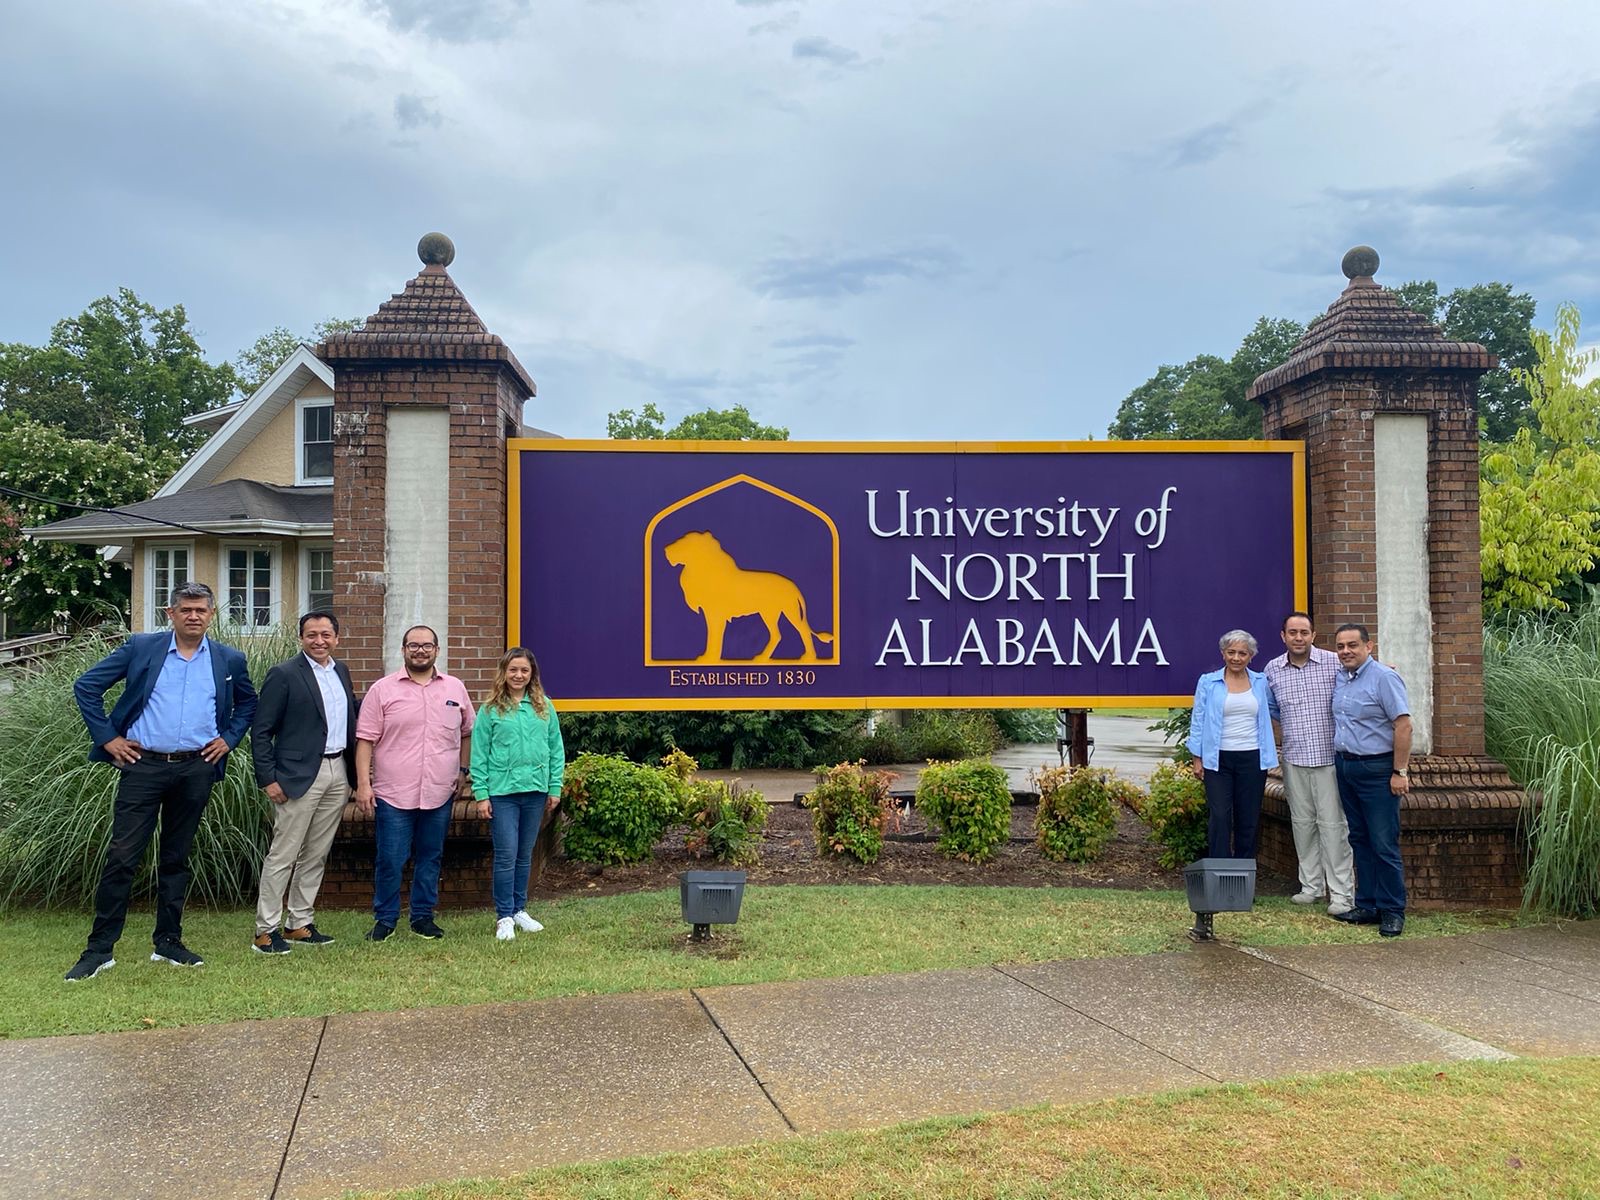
point(1362, 757)
point(335, 754)
point(170, 756)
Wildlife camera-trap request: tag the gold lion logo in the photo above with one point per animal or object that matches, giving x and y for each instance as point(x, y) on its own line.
point(719, 589)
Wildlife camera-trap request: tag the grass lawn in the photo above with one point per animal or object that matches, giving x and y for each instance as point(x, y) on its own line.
point(1480, 1130)
point(612, 944)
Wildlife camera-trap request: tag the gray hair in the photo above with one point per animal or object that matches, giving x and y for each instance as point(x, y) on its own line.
point(1238, 635)
point(192, 589)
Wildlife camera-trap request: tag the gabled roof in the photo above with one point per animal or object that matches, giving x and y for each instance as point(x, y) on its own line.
point(235, 507)
point(280, 390)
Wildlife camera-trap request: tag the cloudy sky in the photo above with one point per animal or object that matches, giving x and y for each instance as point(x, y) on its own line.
point(905, 219)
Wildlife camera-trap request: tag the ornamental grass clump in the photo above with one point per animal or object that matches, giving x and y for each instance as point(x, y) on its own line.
point(850, 809)
point(970, 802)
point(725, 823)
point(1541, 682)
point(615, 811)
point(56, 807)
point(1175, 810)
point(1077, 811)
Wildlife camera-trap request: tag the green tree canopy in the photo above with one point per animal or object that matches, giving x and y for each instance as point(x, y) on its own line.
point(1205, 397)
point(709, 425)
point(255, 364)
point(122, 369)
point(1539, 512)
point(44, 581)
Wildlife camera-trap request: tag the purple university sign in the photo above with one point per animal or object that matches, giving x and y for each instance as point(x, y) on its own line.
point(664, 575)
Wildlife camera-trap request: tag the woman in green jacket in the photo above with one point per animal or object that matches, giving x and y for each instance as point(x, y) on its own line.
point(517, 764)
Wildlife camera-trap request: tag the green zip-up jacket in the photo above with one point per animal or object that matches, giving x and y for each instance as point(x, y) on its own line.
point(518, 751)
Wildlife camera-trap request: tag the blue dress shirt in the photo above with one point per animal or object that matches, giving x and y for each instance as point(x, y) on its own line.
point(182, 711)
point(1365, 707)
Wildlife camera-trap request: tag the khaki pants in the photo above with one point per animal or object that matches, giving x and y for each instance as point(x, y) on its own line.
point(1321, 838)
point(302, 833)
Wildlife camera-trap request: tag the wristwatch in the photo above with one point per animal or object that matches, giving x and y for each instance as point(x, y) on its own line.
point(1402, 772)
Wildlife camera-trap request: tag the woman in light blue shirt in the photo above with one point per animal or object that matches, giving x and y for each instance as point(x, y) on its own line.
point(1230, 737)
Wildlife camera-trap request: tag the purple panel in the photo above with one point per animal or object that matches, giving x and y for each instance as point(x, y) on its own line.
point(975, 575)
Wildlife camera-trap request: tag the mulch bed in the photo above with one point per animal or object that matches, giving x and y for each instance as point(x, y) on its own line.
point(910, 856)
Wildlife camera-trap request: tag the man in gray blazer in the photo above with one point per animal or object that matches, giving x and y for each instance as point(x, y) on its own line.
point(303, 746)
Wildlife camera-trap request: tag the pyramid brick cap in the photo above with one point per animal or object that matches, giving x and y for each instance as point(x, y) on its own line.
point(429, 321)
point(1368, 328)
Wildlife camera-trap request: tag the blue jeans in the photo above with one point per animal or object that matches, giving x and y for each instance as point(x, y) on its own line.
point(1373, 813)
point(514, 825)
point(408, 833)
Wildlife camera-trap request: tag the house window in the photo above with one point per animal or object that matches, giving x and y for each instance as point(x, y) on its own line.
point(165, 568)
point(250, 578)
point(315, 438)
point(316, 575)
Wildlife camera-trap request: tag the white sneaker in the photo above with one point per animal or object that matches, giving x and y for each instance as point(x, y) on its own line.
point(504, 929)
point(1339, 907)
point(1307, 897)
point(526, 923)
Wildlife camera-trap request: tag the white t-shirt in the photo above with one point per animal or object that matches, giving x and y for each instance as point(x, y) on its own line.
point(1239, 721)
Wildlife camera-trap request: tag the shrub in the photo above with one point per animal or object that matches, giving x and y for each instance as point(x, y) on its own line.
point(949, 735)
point(615, 810)
point(56, 807)
point(1026, 725)
point(725, 822)
point(1077, 811)
point(970, 802)
point(1175, 811)
point(850, 809)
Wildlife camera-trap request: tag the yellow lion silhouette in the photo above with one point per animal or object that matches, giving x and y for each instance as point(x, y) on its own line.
point(719, 590)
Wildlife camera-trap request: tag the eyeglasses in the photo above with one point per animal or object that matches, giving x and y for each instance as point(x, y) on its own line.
point(422, 645)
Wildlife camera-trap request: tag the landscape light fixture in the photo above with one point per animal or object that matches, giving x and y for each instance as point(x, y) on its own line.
point(1218, 885)
point(710, 898)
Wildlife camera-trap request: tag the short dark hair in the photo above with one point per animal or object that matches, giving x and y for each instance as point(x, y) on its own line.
point(1348, 626)
point(432, 632)
point(192, 589)
point(319, 614)
point(1296, 613)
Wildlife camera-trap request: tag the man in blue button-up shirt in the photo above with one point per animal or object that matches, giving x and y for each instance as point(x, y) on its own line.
point(187, 702)
point(1372, 756)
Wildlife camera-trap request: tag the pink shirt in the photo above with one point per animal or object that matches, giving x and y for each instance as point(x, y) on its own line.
point(416, 731)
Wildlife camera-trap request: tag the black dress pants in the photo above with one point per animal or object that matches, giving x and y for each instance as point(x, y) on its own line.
point(1233, 804)
point(175, 794)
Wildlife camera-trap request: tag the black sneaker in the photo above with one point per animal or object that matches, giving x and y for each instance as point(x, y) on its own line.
point(307, 935)
point(178, 955)
point(379, 932)
point(90, 963)
point(426, 928)
point(270, 943)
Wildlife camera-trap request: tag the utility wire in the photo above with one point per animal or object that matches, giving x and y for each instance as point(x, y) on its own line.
point(116, 512)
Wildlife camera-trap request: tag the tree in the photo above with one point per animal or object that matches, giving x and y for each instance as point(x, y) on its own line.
point(1500, 320)
point(709, 425)
point(1538, 511)
point(41, 582)
point(1205, 397)
point(255, 364)
point(122, 369)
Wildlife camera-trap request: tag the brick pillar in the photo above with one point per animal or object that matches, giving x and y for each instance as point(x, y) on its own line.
point(1388, 411)
point(424, 350)
point(424, 400)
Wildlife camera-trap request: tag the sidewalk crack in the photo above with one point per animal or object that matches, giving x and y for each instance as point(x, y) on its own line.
point(743, 1062)
point(305, 1090)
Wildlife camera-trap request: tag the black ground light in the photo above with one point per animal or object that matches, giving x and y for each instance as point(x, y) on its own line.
point(710, 898)
point(1218, 885)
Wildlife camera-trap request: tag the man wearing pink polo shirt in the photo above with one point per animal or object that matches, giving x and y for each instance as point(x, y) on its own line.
point(413, 747)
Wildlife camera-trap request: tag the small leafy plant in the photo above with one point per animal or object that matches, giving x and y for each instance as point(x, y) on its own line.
point(970, 802)
point(1175, 810)
point(725, 823)
point(1077, 811)
point(850, 809)
point(615, 810)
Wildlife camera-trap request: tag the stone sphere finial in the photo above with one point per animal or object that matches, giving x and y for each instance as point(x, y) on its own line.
point(436, 250)
point(1360, 263)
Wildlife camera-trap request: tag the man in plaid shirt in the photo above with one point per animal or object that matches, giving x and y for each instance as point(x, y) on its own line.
point(1302, 684)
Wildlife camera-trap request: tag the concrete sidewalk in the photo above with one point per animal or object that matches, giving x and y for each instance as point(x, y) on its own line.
point(310, 1107)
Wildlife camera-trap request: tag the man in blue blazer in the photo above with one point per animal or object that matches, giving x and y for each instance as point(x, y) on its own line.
point(187, 702)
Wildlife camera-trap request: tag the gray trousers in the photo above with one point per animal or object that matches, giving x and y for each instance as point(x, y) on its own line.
point(302, 833)
point(1321, 838)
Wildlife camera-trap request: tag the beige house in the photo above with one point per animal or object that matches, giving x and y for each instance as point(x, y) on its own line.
point(250, 513)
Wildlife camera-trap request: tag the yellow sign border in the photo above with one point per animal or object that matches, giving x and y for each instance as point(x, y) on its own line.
point(516, 446)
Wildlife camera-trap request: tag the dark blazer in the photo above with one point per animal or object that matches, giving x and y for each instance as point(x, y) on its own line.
point(138, 660)
point(291, 728)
